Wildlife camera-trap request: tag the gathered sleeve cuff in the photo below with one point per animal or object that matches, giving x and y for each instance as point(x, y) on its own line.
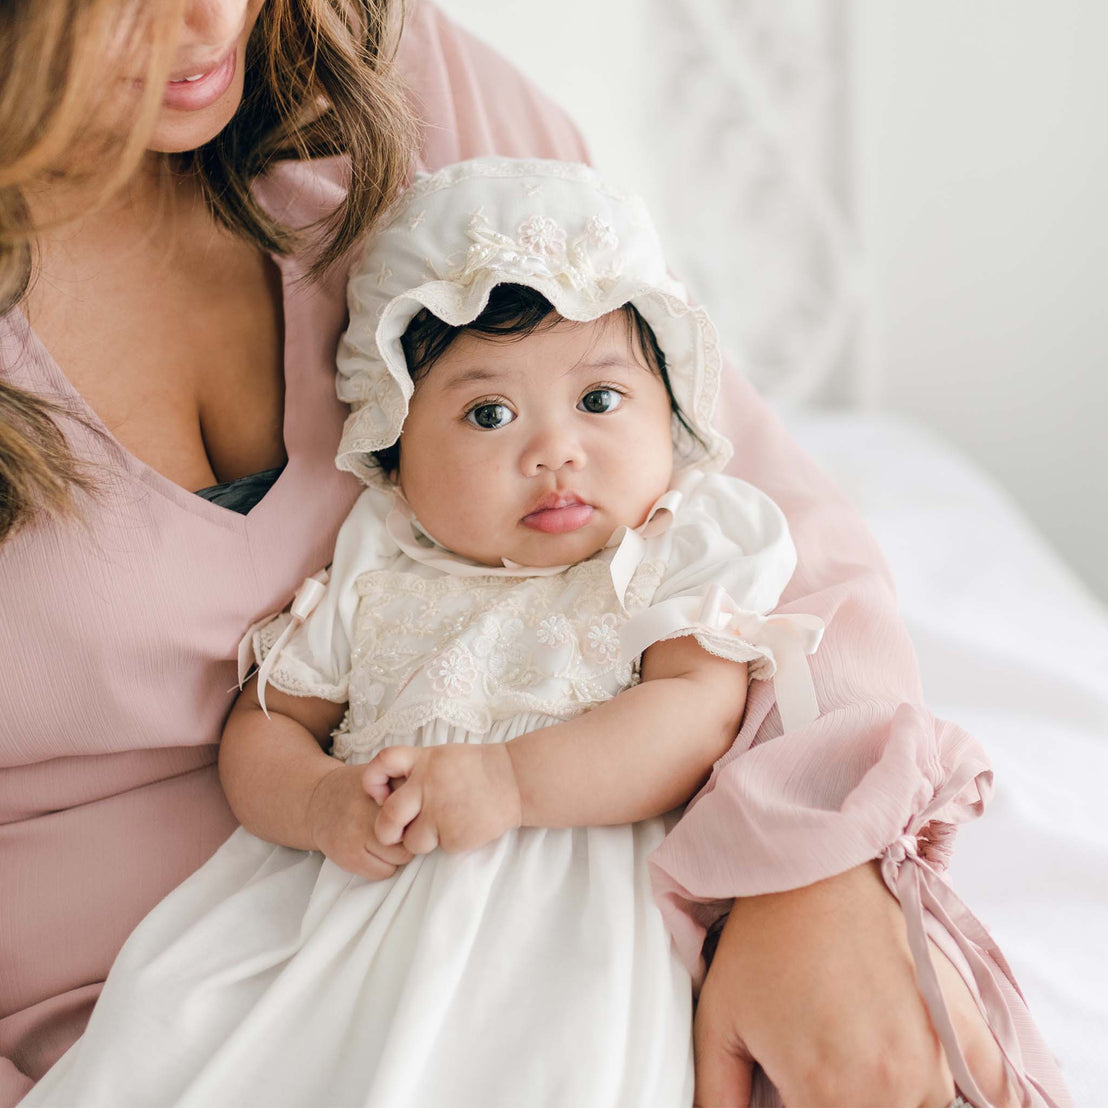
point(805, 806)
point(875, 778)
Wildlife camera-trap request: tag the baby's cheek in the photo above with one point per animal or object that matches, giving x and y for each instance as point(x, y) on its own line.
point(473, 514)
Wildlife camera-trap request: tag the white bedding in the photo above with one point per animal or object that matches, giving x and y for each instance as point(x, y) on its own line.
point(1014, 648)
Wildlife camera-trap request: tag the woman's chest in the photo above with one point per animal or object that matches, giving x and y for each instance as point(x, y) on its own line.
point(181, 359)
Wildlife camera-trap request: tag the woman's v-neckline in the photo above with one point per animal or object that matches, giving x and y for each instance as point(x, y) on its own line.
point(186, 499)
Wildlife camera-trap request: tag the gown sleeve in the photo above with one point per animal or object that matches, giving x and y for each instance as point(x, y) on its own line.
point(306, 650)
point(786, 808)
point(728, 556)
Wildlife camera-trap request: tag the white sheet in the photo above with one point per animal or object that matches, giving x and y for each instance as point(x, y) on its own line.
point(1013, 647)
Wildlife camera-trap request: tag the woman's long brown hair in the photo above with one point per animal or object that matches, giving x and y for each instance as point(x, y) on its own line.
point(319, 81)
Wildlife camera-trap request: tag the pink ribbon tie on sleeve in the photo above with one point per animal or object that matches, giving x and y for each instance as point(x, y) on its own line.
point(919, 886)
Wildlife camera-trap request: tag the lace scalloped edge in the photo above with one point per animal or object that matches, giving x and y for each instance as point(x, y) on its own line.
point(763, 666)
point(406, 721)
point(283, 677)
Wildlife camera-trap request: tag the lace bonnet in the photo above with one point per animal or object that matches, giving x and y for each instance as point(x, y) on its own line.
point(553, 226)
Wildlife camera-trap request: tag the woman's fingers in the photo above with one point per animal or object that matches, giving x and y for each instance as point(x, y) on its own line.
point(723, 1069)
point(385, 767)
point(980, 1050)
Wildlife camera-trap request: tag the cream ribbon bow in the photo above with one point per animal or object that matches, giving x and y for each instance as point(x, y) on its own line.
point(305, 602)
point(787, 639)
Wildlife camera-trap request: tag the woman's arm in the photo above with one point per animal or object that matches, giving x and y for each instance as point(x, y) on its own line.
point(818, 1018)
point(285, 789)
point(640, 754)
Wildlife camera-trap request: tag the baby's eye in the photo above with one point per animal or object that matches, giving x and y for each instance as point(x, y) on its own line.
point(489, 417)
point(599, 401)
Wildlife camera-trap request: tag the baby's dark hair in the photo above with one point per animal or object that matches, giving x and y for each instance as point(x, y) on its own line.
point(512, 313)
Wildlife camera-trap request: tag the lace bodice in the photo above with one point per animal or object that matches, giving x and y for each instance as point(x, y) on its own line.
point(404, 642)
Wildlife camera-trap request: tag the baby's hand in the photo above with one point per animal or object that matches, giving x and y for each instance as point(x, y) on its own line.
point(458, 796)
point(341, 818)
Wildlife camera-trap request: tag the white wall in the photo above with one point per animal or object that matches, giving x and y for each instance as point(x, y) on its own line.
point(585, 55)
point(983, 174)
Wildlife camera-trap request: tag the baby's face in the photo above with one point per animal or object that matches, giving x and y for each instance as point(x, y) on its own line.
point(535, 449)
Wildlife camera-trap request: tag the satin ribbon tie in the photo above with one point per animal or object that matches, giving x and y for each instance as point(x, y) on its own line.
point(787, 638)
point(920, 887)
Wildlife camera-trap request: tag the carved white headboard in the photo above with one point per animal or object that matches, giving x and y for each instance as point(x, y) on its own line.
point(751, 102)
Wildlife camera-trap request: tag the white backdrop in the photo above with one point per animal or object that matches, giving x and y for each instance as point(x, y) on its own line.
point(880, 201)
point(983, 178)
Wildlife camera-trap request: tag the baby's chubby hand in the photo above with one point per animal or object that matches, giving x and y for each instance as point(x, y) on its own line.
point(340, 820)
point(458, 796)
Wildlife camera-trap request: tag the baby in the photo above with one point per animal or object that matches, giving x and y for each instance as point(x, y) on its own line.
point(533, 643)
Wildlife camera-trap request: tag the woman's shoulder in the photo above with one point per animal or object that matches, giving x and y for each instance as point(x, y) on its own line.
point(472, 101)
point(300, 194)
point(469, 101)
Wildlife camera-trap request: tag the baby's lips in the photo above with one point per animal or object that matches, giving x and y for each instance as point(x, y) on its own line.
point(559, 521)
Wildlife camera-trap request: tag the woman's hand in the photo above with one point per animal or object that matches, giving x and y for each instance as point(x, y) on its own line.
point(817, 985)
point(458, 796)
point(341, 818)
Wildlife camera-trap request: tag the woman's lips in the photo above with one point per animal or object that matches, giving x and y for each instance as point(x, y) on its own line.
point(206, 89)
point(557, 515)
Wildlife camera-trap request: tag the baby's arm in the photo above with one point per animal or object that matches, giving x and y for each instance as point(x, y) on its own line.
point(285, 789)
point(642, 753)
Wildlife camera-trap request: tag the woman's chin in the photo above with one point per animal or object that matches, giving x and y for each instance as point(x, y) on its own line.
point(179, 131)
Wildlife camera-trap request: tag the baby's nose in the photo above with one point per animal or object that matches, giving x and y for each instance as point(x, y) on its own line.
point(551, 449)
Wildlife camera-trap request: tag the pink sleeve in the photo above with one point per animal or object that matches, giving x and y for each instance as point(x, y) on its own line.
point(785, 810)
point(472, 102)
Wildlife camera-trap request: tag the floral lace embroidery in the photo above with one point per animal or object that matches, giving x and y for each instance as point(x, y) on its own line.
point(454, 673)
point(539, 234)
point(601, 234)
point(554, 631)
point(474, 650)
point(602, 640)
point(588, 263)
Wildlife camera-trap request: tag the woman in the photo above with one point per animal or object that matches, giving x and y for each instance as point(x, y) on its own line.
point(197, 332)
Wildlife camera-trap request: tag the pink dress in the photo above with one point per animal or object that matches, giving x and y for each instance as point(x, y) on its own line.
point(118, 647)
